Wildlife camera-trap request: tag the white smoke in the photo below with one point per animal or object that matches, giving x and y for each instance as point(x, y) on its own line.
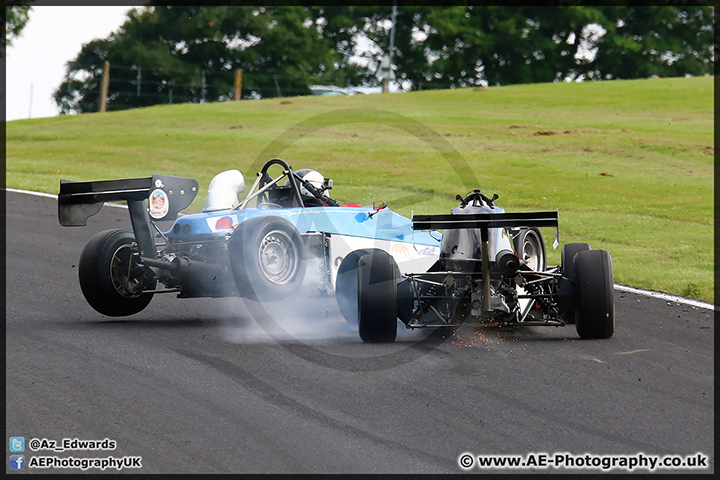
point(310, 316)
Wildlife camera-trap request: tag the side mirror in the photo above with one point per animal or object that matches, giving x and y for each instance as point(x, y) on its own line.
point(377, 206)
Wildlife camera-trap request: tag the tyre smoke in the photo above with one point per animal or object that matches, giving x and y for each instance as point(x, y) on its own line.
point(310, 315)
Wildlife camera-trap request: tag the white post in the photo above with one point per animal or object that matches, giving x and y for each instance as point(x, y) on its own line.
point(277, 86)
point(386, 82)
point(139, 79)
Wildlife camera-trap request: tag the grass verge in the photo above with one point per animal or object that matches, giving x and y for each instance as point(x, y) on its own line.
point(628, 164)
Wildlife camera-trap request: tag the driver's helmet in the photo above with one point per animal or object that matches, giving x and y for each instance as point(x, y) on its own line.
point(312, 176)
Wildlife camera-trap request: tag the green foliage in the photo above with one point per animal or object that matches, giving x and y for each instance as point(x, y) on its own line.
point(662, 41)
point(628, 164)
point(16, 17)
point(500, 45)
point(191, 50)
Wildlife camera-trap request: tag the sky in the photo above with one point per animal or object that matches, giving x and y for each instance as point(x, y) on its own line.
point(35, 63)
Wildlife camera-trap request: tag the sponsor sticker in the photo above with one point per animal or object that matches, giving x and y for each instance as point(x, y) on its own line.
point(429, 251)
point(400, 252)
point(223, 223)
point(226, 222)
point(159, 204)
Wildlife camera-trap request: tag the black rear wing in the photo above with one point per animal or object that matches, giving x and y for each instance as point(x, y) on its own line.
point(167, 195)
point(485, 220)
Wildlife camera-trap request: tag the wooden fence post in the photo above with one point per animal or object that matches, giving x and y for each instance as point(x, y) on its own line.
point(105, 83)
point(238, 84)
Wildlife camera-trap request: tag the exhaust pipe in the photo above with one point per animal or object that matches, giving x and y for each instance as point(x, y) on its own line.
point(507, 263)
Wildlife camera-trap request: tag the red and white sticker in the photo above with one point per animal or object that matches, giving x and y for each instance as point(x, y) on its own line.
point(159, 204)
point(224, 223)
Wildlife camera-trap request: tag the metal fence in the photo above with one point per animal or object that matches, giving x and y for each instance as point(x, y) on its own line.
point(152, 87)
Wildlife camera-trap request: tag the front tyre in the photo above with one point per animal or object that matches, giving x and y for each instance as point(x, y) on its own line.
point(595, 311)
point(377, 298)
point(266, 258)
point(346, 285)
point(567, 257)
point(566, 303)
point(112, 279)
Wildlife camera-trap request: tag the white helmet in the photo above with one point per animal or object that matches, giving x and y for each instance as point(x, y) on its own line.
point(314, 177)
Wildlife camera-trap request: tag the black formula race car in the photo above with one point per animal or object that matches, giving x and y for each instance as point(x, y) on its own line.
point(491, 271)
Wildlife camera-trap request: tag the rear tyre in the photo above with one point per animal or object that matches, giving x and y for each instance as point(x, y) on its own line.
point(266, 258)
point(595, 304)
point(377, 298)
point(111, 276)
point(530, 247)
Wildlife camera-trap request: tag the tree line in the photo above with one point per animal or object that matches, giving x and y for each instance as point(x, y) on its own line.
point(192, 49)
point(16, 17)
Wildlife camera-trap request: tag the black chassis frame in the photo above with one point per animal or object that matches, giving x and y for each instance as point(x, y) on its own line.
point(553, 292)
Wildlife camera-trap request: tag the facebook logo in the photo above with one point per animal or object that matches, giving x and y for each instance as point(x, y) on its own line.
point(17, 462)
point(17, 444)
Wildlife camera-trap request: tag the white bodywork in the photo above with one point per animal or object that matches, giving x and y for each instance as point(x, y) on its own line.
point(408, 256)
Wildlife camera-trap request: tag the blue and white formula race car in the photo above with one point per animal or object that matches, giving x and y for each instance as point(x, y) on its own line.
point(488, 268)
point(257, 248)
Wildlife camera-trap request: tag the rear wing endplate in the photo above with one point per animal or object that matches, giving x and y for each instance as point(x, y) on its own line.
point(167, 195)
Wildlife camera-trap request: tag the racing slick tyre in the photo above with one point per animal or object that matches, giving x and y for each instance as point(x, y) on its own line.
point(567, 254)
point(566, 303)
point(530, 246)
point(266, 258)
point(346, 285)
point(377, 298)
point(112, 279)
point(595, 305)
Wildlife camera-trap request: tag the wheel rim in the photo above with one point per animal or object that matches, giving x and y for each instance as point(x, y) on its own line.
point(120, 273)
point(532, 252)
point(278, 257)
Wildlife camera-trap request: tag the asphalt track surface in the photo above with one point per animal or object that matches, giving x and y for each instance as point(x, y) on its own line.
point(202, 386)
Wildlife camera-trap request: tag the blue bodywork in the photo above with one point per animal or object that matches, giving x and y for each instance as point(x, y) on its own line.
point(352, 221)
